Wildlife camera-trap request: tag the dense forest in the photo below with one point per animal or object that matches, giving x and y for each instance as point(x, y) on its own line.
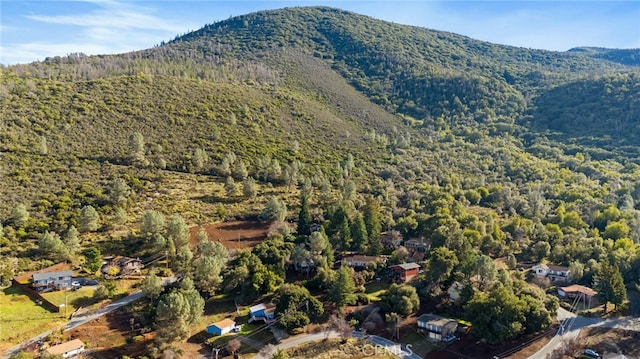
point(486, 151)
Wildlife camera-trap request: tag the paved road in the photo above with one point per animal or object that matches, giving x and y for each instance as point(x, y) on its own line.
point(77, 321)
point(379, 344)
point(570, 326)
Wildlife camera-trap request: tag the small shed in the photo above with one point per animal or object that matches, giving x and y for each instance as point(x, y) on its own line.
point(70, 349)
point(258, 310)
point(222, 327)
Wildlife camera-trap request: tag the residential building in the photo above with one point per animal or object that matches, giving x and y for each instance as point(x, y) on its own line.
point(55, 280)
point(555, 274)
point(260, 312)
point(416, 244)
point(405, 272)
point(70, 349)
point(360, 261)
point(119, 266)
point(391, 239)
point(437, 327)
point(454, 291)
point(586, 295)
point(222, 327)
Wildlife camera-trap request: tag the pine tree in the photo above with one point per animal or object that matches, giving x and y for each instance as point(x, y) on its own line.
point(610, 285)
point(119, 191)
point(88, 219)
point(304, 217)
point(72, 241)
point(373, 219)
point(359, 234)
point(342, 290)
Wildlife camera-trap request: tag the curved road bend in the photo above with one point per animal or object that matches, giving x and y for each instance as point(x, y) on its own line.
point(565, 317)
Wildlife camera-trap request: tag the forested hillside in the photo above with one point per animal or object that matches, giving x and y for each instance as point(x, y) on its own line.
point(483, 150)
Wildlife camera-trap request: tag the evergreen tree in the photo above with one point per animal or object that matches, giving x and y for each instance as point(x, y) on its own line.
point(151, 286)
point(93, 259)
point(342, 289)
point(152, 224)
point(119, 191)
point(240, 172)
point(178, 231)
point(249, 188)
point(52, 247)
point(304, 217)
point(373, 219)
point(359, 234)
point(19, 215)
point(72, 241)
point(230, 187)
point(88, 219)
point(610, 285)
point(275, 210)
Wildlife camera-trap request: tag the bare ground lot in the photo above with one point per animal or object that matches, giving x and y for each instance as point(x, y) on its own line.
point(234, 234)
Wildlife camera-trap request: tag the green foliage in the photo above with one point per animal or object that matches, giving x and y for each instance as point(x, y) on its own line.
point(342, 289)
point(93, 259)
point(610, 285)
point(152, 224)
point(274, 211)
point(401, 299)
point(440, 265)
point(151, 286)
point(304, 217)
point(119, 191)
point(88, 220)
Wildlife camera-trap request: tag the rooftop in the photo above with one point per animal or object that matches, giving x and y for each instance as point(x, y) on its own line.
point(407, 266)
point(435, 320)
point(47, 275)
point(361, 258)
point(25, 278)
point(224, 323)
point(65, 347)
point(257, 307)
point(575, 288)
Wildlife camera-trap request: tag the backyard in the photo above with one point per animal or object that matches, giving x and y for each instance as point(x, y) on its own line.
point(21, 318)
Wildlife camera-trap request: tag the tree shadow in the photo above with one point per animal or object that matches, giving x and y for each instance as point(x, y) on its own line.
point(214, 199)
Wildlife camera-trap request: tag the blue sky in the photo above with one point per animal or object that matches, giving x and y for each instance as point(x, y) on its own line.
point(34, 30)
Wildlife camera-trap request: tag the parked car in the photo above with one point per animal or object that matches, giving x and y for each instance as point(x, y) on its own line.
point(591, 353)
point(450, 338)
point(75, 285)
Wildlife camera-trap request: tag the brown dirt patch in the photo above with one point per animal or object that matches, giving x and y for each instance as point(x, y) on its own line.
point(605, 340)
point(234, 234)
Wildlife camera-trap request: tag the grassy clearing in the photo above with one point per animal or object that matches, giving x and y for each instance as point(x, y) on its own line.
point(419, 344)
point(73, 299)
point(21, 318)
point(375, 290)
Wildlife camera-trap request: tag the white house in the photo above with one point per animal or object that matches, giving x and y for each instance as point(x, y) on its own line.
point(553, 272)
point(360, 261)
point(56, 280)
point(222, 327)
point(70, 349)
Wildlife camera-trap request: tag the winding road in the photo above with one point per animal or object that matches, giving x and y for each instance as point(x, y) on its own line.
point(570, 326)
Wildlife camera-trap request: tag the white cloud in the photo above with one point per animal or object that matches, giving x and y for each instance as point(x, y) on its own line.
point(113, 27)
